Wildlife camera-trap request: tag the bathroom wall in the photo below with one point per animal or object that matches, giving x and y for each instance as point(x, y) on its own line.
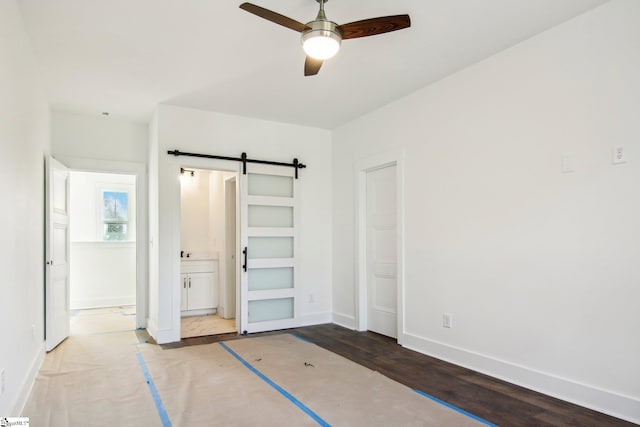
point(202, 210)
point(195, 219)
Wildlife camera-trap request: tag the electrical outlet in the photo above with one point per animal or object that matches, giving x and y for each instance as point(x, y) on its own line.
point(2, 382)
point(447, 320)
point(619, 155)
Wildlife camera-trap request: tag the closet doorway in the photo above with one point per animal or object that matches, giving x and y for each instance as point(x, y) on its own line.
point(208, 259)
point(380, 290)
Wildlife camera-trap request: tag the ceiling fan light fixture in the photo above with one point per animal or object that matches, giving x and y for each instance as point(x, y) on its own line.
point(321, 38)
point(322, 41)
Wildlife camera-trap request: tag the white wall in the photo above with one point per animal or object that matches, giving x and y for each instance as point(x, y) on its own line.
point(85, 205)
point(195, 214)
point(202, 227)
point(217, 212)
point(24, 141)
point(110, 145)
point(152, 232)
point(207, 132)
point(538, 268)
point(102, 137)
point(103, 274)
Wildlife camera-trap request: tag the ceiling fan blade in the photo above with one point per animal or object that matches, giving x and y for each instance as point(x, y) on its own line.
point(274, 17)
point(374, 26)
point(312, 66)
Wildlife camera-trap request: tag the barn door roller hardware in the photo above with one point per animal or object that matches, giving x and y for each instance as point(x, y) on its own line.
point(243, 159)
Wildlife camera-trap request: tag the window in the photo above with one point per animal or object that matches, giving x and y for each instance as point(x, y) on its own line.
point(115, 215)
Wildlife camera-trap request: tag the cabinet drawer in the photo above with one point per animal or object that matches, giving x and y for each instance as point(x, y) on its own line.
point(200, 266)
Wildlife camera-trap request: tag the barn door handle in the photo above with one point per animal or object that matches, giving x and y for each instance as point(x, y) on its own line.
point(244, 252)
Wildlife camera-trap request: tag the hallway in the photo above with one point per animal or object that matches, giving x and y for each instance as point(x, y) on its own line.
point(94, 377)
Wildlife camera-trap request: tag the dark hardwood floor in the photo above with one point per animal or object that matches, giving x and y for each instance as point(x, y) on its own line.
point(496, 401)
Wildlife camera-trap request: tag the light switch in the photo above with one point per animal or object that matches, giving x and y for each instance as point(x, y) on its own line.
point(567, 164)
point(447, 320)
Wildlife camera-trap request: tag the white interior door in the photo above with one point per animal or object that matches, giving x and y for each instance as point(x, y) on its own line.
point(381, 255)
point(268, 242)
point(231, 248)
point(57, 254)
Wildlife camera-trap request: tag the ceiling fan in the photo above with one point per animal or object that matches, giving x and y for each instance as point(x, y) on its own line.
point(321, 38)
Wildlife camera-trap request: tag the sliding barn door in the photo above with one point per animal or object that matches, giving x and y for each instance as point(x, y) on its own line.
point(268, 249)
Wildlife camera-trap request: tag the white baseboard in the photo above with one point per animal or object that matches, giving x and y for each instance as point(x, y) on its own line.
point(315, 318)
point(162, 336)
point(203, 312)
point(166, 336)
point(611, 403)
point(344, 320)
point(17, 406)
point(84, 303)
point(152, 328)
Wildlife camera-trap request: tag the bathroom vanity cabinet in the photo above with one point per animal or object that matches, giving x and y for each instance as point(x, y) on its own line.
point(199, 286)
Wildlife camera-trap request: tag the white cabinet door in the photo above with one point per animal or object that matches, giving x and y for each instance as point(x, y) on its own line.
point(201, 291)
point(184, 292)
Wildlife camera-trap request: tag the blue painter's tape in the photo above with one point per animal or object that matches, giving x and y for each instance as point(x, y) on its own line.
point(154, 393)
point(280, 390)
point(301, 339)
point(455, 408)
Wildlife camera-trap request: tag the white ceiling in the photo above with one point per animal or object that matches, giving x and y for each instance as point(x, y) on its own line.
point(127, 56)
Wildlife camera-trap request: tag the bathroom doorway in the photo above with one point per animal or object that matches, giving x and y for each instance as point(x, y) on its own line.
point(208, 259)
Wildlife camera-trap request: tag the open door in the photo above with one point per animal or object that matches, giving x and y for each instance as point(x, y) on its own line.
point(57, 254)
point(268, 241)
point(231, 245)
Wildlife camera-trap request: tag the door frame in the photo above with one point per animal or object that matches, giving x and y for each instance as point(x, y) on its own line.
point(211, 165)
point(78, 164)
point(230, 235)
point(363, 166)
